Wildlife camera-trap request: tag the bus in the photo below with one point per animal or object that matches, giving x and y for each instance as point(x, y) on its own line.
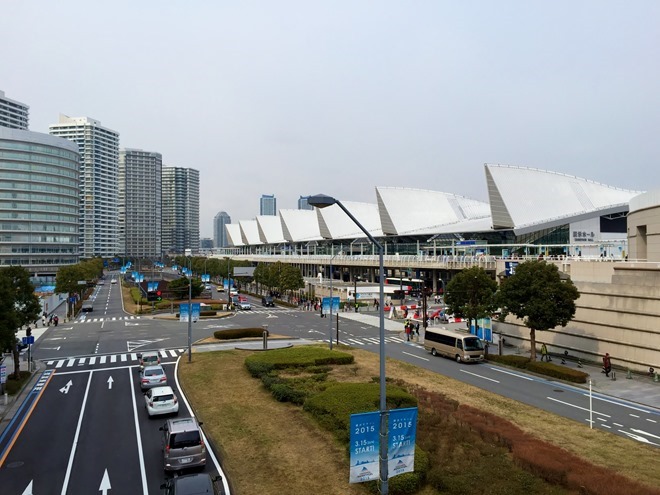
point(411, 286)
point(461, 346)
point(369, 293)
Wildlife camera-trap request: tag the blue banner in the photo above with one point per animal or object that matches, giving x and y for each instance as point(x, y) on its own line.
point(364, 447)
point(325, 305)
point(196, 308)
point(183, 312)
point(402, 430)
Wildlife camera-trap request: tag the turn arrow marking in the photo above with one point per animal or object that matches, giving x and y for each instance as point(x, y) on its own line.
point(110, 380)
point(65, 388)
point(105, 483)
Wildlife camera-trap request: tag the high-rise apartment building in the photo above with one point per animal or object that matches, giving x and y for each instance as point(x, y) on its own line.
point(13, 114)
point(39, 202)
point(268, 204)
point(180, 210)
point(219, 233)
point(303, 204)
point(140, 204)
point(99, 183)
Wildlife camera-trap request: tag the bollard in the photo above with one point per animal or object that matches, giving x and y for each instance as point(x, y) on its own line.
point(6, 399)
point(613, 375)
point(656, 378)
point(629, 374)
point(265, 339)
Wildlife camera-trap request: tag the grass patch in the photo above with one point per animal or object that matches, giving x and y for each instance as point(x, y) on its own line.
point(272, 447)
point(13, 386)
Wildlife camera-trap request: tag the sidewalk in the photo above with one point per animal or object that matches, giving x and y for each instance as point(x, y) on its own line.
point(640, 389)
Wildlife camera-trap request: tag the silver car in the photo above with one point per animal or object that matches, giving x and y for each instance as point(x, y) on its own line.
point(183, 446)
point(152, 376)
point(161, 400)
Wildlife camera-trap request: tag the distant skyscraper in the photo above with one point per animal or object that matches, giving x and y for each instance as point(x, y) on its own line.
point(206, 243)
point(140, 204)
point(13, 114)
point(268, 205)
point(303, 204)
point(99, 183)
point(180, 210)
point(39, 201)
point(219, 233)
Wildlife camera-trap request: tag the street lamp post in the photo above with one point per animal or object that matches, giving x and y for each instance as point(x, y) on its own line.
point(322, 201)
point(190, 314)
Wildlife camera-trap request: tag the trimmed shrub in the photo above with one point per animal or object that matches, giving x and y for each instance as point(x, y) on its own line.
point(283, 392)
point(558, 371)
point(302, 357)
point(510, 360)
point(238, 333)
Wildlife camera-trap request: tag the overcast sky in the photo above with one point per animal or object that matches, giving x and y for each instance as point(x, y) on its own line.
point(302, 97)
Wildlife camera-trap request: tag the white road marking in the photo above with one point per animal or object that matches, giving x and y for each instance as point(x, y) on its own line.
point(70, 363)
point(642, 432)
point(634, 415)
point(415, 356)
point(133, 356)
point(512, 374)
point(102, 360)
point(479, 376)
point(617, 424)
point(81, 361)
point(92, 360)
point(619, 404)
point(651, 420)
point(59, 363)
point(123, 358)
point(163, 354)
point(113, 358)
point(143, 473)
point(578, 407)
point(173, 353)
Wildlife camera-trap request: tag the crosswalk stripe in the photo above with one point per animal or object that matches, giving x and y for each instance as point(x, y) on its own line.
point(92, 360)
point(163, 353)
point(49, 362)
point(133, 356)
point(102, 360)
point(70, 363)
point(123, 358)
point(113, 358)
point(358, 342)
point(59, 363)
point(81, 361)
point(180, 350)
point(173, 353)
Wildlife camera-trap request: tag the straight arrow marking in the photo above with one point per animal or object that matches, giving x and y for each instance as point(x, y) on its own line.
point(105, 483)
point(110, 380)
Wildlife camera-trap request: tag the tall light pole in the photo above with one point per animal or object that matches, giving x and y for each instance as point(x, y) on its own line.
point(322, 201)
point(190, 314)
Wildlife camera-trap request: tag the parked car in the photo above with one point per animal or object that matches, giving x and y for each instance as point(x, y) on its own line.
point(161, 400)
point(267, 301)
point(192, 484)
point(183, 446)
point(152, 376)
point(148, 358)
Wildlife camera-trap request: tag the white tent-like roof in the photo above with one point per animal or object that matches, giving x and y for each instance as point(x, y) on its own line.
point(406, 211)
point(335, 224)
point(527, 199)
point(234, 234)
point(270, 229)
point(300, 225)
point(249, 232)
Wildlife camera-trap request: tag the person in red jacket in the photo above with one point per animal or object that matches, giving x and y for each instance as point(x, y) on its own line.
point(607, 365)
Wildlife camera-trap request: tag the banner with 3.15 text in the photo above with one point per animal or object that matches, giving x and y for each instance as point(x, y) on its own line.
point(402, 429)
point(364, 447)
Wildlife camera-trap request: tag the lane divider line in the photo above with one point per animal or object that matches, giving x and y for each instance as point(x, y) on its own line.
point(143, 472)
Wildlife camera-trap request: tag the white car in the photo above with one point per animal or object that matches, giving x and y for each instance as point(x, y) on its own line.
point(113, 281)
point(161, 400)
point(243, 305)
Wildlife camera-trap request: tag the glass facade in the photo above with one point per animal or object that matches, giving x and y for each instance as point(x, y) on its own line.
point(39, 201)
point(180, 210)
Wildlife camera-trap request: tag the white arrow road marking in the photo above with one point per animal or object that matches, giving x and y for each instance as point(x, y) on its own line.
point(67, 328)
point(28, 490)
point(642, 432)
point(315, 331)
point(270, 315)
point(110, 380)
point(105, 483)
point(50, 348)
point(129, 324)
point(637, 437)
point(65, 388)
point(56, 338)
point(131, 345)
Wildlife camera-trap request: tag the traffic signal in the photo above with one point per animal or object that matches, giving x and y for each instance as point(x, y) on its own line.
point(151, 296)
point(159, 295)
point(28, 332)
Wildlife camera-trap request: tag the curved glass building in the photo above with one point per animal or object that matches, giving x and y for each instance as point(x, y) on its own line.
point(39, 202)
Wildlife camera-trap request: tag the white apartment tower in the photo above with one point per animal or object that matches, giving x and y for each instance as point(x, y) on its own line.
point(140, 205)
point(13, 114)
point(99, 183)
point(180, 210)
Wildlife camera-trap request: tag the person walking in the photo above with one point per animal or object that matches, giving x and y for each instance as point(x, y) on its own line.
point(544, 353)
point(607, 365)
point(406, 327)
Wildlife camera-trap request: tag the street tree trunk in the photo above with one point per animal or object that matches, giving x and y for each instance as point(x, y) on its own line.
point(532, 339)
point(17, 363)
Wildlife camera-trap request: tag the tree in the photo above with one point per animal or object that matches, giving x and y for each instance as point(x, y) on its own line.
point(290, 279)
point(179, 287)
point(19, 306)
point(538, 296)
point(471, 293)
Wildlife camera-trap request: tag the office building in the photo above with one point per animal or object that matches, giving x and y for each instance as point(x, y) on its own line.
point(268, 204)
point(13, 114)
point(39, 202)
point(219, 232)
point(303, 204)
point(206, 244)
point(180, 210)
point(99, 183)
point(140, 204)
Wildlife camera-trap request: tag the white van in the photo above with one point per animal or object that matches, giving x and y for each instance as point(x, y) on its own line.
point(461, 346)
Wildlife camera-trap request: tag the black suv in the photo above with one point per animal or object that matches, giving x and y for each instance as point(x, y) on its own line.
point(192, 484)
point(267, 301)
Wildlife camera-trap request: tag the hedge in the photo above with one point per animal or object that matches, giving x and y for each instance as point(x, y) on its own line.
point(298, 357)
point(542, 368)
point(238, 333)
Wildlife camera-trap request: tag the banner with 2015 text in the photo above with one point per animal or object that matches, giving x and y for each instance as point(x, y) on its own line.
point(365, 446)
point(402, 429)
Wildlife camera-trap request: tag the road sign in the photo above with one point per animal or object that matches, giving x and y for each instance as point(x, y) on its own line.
point(3, 374)
point(28, 340)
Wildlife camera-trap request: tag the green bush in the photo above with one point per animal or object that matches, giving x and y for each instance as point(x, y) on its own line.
point(258, 368)
point(301, 357)
point(542, 368)
point(284, 392)
point(407, 483)
point(14, 386)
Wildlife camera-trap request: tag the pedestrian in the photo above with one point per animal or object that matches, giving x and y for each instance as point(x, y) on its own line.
point(376, 303)
point(607, 365)
point(406, 327)
point(544, 353)
point(50, 320)
point(43, 320)
point(417, 330)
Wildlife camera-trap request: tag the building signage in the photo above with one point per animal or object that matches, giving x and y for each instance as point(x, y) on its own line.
point(401, 441)
point(364, 447)
point(510, 267)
